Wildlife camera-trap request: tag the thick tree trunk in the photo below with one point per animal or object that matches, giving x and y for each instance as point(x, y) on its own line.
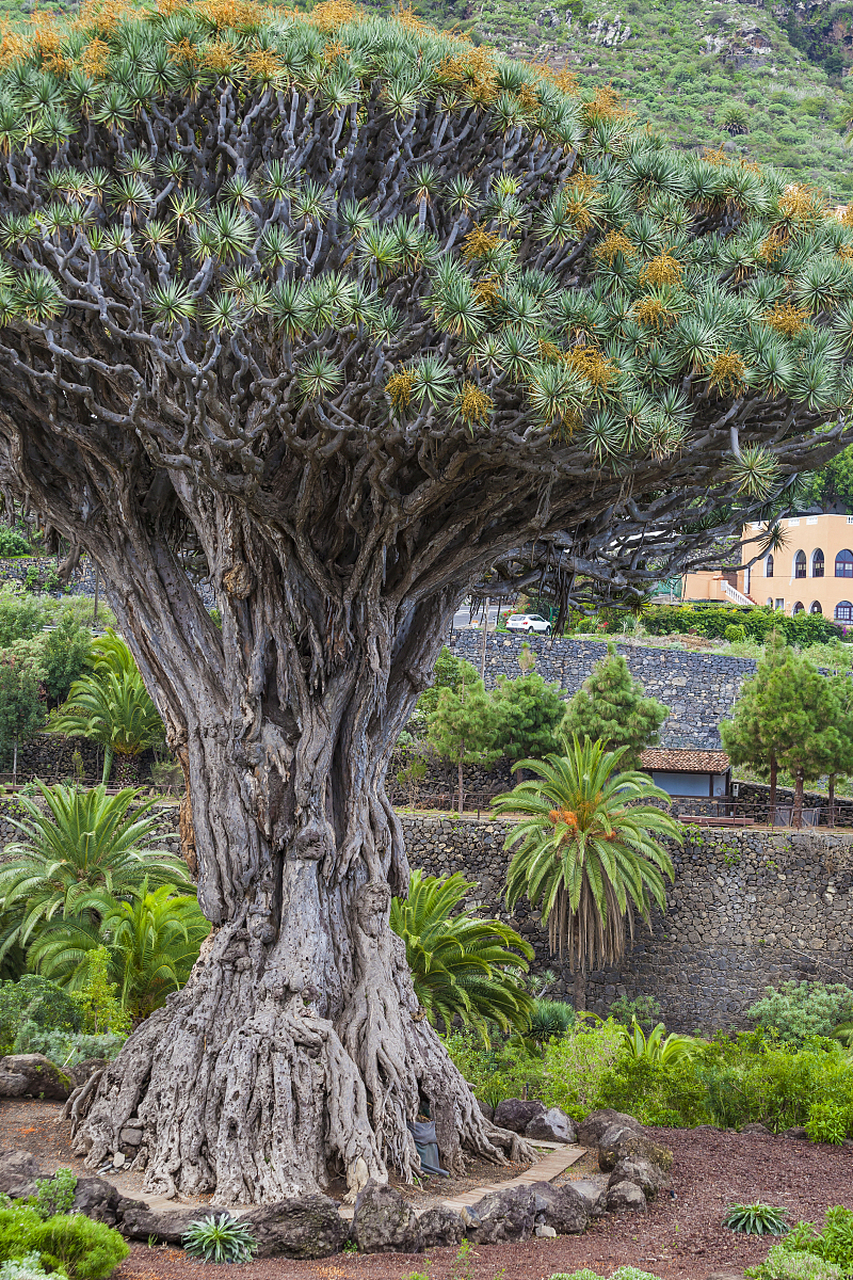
point(460, 778)
point(797, 818)
point(297, 1052)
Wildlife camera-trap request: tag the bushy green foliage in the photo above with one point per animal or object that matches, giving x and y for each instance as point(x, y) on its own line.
point(12, 542)
point(645, 1009)
point(529, 713)
point(463, 966)
point(22, 712)
point(84, 1249)
point(610, 706)
point(68, 1047)
point(833, 1244)
point(735, 634)
point(828, 1122)
point(463, 727)
point(798, 1011)
point(27, 1268)
point(657, 1046)
point(55, 1195)
point(62, 656)
point(803, 629)
point(783, 1263)
point(220, 1239)
point(21, 617)
point(35, 1000)
point(656, 1093)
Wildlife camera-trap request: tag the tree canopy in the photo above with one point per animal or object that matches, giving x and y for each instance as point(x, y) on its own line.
point(612, 708)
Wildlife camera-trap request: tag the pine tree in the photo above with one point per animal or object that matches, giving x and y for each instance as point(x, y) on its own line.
point(842, 760)
point(787, 716)
point(463, 727)
point(611, 706)
point(529, 712)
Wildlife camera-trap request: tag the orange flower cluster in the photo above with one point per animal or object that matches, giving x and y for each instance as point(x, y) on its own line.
point(184, 53)
point(399, 387)
point(591, 364)
point(219, 56)
point(565, 80)
point(479, 242)
point(263, 64)
point(95, 58)
point(786, 319)
point(102, 16)
point(664, 269)
point(472, 71)
point(651, 313)
point(472, 404)
point(802, 203)
point(605, 105)
point(331, 14)
point(12, 47)
point(334, 51)
point(614, 242)
point(727, 373)
point(487, 291)
point(563, 816)
point(772, 246)
point(232, 13)
point(716, 156)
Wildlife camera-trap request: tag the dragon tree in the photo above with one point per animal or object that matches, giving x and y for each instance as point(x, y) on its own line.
point(343, 315)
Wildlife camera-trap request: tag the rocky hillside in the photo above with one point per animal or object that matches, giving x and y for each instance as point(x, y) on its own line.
point(768, 80)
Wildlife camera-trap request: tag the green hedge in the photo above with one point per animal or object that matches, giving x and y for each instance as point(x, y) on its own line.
point(803, 629)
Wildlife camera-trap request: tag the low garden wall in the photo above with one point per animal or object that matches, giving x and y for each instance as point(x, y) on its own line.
point(748, 909)
point(699, 688)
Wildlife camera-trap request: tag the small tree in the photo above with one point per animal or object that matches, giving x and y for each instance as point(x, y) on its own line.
point(787, 715)
point(611, 707)
point(529, 712)
point(463, 727)
point(21, 708)
point(62, 657)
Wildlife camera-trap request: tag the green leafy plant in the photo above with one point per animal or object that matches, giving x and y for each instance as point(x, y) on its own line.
point(611, 707)
point(585, 851)
point(645, 1009)
point(828, 1122)
point(833, 1244)
point(463, 966)
point(797, 1011)
point(13, 543)
point(27, 1268)
point(220, 1239)
point(782, 1263)
point(55, 1195)
point(84, 1249)
point(657, 1047)
point(757, 1219)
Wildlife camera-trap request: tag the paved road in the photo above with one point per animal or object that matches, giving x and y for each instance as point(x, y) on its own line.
point(462, 617)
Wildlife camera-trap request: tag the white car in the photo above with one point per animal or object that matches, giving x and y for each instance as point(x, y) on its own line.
point(527, 622)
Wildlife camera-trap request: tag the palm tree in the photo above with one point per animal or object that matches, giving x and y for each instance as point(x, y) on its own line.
point(153, 941)
point(585, 851)
point(462, 965)
point(84, 850)
point(112, 706)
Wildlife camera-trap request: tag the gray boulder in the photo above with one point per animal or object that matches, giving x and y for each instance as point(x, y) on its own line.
point(302, 1227)
point(440, 1226)
point(551, 1126)
point(44, 1078)
point(18, 1173)
point(100, 1200)
point(503, 1215)
point(12, 1085)
point(617, 1145)
point(626, 1196)
point(758, 1128)
point(590, 1130)
point(138, 1222)
point(384, 1222)
point(650, 1177)
point(516, 1113)
point(593, 1193)
point(559, 1207)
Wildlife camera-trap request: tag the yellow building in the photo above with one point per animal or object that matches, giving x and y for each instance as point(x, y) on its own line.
point(812, 570)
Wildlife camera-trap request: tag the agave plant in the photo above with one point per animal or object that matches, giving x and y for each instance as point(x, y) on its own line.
point(658, 1047)
point(463, 966)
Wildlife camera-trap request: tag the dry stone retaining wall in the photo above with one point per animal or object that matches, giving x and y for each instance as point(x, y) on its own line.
point(748, 909)
point(700, 689)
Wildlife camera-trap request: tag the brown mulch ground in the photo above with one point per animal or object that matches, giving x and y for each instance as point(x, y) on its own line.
point(678, 1238)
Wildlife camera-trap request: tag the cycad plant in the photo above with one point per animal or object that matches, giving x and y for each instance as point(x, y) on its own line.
point(112, 706)
point(152, 937)
point(463, 966)
point(77, 854)
point(586, 851)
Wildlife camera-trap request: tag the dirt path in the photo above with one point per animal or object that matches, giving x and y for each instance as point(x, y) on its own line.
point(679, 1238)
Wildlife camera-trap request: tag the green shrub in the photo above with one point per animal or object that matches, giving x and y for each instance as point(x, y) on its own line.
point(828, 1122)
point(27, 1268)
point(645, 1009)
point(221, 1239)
point(757, 1219)
point(85, 1250)
point(804, 629)
point(55, 1195)
point(798, 1011)
point(735, 634)
point(12, 542)
point(35, 1000)
point(782, 1263)
point(655, 1093)
point(833, 1244)
point(67, 1048)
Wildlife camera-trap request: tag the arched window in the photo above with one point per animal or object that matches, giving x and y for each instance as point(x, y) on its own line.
point(799, 607)
point(817, 563)
point(769, 602)
point(800, 564)
point(844, 564)
point(844, 611)
point(815, 607)
point(768, 567)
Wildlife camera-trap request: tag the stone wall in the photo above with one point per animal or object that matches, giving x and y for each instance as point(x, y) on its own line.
point(81, 582)
point(748, 909)
point(699, 688)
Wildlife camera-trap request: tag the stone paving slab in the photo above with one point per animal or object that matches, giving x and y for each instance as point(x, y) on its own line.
point(545, 1170)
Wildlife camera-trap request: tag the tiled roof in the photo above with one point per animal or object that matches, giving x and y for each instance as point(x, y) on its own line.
point(671, 760)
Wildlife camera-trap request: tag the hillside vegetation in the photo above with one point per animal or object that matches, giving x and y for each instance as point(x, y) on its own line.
point(768, 81)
